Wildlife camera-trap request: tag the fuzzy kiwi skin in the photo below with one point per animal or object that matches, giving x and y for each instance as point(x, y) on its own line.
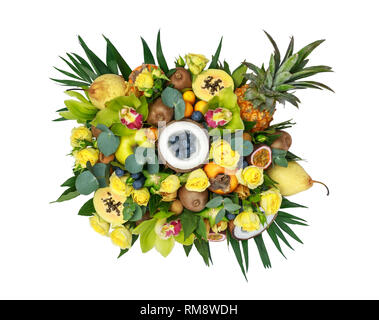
point(181, 79)
point(176, 207)
point(192, 200)
point(284, 142)
point(158, 111)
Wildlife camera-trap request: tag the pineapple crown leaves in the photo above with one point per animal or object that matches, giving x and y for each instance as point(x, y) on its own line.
point(83, 72)
point(271, 85)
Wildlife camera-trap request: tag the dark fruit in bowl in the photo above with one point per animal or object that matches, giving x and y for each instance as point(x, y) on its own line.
point(261, 158)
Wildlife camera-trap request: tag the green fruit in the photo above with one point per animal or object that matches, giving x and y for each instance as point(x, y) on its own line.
point(109, 206)
point(209, 83)
point(292, 179)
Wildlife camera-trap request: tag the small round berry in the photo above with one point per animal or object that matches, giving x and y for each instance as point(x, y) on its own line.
point(230, 216)
point(119, 172)
point(197, 116)
point(136, 176)
point(138, 184)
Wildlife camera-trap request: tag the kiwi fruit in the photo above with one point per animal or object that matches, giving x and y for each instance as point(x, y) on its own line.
point(284, 142)
point(192, 200)
point(158, 111)
point(176, 207)
point(181, 79)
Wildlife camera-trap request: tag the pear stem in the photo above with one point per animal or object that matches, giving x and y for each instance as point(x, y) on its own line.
point(327, 189)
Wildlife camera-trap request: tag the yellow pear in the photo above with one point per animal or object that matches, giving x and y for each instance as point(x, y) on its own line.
point(106, 88)
point(292, 179)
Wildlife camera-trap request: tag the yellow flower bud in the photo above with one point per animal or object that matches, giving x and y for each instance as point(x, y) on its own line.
point(197, 181)
point(271, 201)
point(118, 185)
point(248, 221)
point(196, 62)
point(78, 134)
point(121, 237)
point(144, 80)
point(141, 196)
point(85, 155)
point(99, 225)
point(251, 176)
point(170, 185)
point(219, 227)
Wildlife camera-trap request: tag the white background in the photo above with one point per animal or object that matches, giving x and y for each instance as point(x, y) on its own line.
point(47, 251)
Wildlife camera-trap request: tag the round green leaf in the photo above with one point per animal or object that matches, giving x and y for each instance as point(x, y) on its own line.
point(132, 165)
point(86, 183)
point(108, 143)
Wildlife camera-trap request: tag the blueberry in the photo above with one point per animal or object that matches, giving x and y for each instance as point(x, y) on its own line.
point(197, 116)
point(230, 216)
point(136, 176)
point(245, 164)
point(119, 172)
point(138, 184)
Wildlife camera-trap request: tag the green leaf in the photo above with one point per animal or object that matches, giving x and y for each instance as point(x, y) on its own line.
point(289, 216)
point(86, 183)
point(111, 60)
point(71, 83)
point(108, 143)
point(262, 251)
point(137, 214)
point(289, 51)
point(148, 56)
point(305, 52)
point(276, 50)
point(132, 165)
point(189, 222)
point(101, 172)
point(245, 248)
point(120, 130)
point(288, 230)
point(201, 229)
point(215, 202)
point(282, 78)
point(123, 251)
point(231, 207)
point(216, 56)
point(238, 75)
point(68, 74)
point(87, 209)
point(279, 233)
point(289, 204)
point(99, 66)
point(76, 95)
point(122, 65)
point(174, 99)
point(160, 57)
point(202, 247)
point(220, 215)
point(288, 64)
point(76, 68)
point(187, 249)
point(237, 252)
point(68, 194)
point(275, 240)
point(70, 182)
point(153, 165)
point(83, 66)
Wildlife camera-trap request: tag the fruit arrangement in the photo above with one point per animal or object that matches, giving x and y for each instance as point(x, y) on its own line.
point(186, 155)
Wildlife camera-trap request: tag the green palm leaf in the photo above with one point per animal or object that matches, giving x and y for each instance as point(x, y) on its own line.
point(160, 56)
point(147, 55)
point(99, 66)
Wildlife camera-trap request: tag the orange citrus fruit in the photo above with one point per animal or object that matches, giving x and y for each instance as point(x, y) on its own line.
point(189, 97)
point(188, 111)
point(201, 106)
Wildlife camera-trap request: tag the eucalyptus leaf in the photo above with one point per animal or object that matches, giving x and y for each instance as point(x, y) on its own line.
point(174, 99)
point(220, 215)
point(86, 183)
point(132, 165)
point(108, 143)
point(137, 214)
point(101, 172)
point(215, 202)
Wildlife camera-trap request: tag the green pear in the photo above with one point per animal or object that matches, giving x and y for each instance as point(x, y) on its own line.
point(292, 179)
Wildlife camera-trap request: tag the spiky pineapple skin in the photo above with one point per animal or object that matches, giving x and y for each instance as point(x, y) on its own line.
point(250, 113)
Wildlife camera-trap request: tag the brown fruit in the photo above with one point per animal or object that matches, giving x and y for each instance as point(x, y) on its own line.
point(284, 142)
point(192, 200)
point(176, 207)
point(104, 159)
point(95, 131)
point(181, 79)
point(158, 111)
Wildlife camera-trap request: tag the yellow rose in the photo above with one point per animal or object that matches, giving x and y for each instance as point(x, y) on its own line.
point(118, 185)
point(251, 176)
point(170, 185)
point(196, 62)
point(99, 225)
point(197, 181)
point(271, 201)
point(121, 237)
point(85, 155)
point(168, 197)
point(248, 221)
point(141, 196)
point(222, 154)
point(144, 80)
point(78, 134)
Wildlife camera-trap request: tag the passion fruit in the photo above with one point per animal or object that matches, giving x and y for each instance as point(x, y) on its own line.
point(261, 158)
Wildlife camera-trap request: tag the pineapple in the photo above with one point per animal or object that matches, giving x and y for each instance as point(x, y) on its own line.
point(257, 99)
